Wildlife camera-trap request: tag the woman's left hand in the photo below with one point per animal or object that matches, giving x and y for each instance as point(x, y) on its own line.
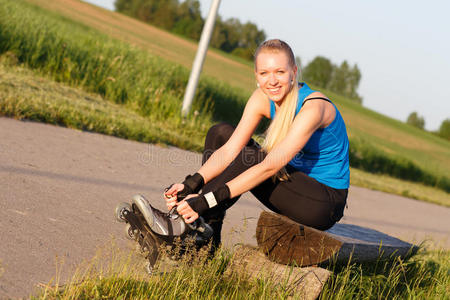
point(188, 214)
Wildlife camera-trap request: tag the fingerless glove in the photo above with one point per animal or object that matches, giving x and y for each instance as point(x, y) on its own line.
point(201, 203)
point(192, 184)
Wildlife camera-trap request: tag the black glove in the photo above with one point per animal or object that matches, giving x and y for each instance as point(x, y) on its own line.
point(192, 184)
point(201, 203)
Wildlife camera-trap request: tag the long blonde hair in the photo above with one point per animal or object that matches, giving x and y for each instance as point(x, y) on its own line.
point(284, 118)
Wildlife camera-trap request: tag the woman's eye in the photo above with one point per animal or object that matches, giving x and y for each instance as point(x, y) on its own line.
point(280, 72)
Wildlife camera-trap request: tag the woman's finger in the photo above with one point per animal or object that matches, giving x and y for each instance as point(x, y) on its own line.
point(171, 204)
point(181, 207)
point(174, 189)
point(191, 218)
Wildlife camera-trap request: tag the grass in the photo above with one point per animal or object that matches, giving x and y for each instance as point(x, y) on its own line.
point(424, 276)
point(82, 57)
point(399, 187)
point(180, 50)
point(24, 95)
point(151, 88)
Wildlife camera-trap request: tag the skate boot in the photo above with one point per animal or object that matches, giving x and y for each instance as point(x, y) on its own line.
point(163, 224)
point(171, 224)
point(152, 228)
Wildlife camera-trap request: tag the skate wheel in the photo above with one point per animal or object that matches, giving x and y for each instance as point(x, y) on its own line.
point(149, 268)
point(120, 208)
point(129, 232)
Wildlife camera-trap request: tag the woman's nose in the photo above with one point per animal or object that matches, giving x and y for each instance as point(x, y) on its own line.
point(273, 79)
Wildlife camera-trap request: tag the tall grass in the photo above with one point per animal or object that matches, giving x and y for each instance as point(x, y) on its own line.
point(425, 276)
point(24, 95)
point(123, 276)
point(80, 56)
point(151, 86)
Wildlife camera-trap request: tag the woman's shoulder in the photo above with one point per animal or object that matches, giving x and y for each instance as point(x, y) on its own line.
point(316, 94)
point(260, 103)
point(323, 104)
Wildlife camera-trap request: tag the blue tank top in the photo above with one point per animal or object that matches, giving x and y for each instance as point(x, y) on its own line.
point(325, 155)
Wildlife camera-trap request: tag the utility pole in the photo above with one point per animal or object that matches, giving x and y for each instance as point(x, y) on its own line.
point(199, 58)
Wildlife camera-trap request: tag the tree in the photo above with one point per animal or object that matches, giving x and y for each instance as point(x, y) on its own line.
point(444, 129)
point(339, 79)
point(415, 120)
point(184, 18)
point(189, 20)
point(165, 14)
point(219, 36)
point(124, 6)
point(298, 62)
point(319, 71)
point(343, 79)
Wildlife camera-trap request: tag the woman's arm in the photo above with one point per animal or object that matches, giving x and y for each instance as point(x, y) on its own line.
point(256, 107)
point(309, 119)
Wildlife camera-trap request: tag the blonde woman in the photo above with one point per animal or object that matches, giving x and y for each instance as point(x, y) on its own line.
point(301, 171)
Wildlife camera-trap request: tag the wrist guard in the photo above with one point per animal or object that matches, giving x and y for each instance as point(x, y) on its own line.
point(204, 202)
point(192, 184)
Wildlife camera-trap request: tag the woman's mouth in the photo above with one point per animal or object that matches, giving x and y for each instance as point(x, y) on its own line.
point(274, 90)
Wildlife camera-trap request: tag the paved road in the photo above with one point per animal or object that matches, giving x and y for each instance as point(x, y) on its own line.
point(59, 187)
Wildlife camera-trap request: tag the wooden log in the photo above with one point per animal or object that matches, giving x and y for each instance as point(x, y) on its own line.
point(288, 242)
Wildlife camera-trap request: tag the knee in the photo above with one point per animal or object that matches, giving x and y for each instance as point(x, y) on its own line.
point(219, 134)
point(221, 130)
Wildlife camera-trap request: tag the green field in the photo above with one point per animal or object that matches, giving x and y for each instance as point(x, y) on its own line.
point(66, 46)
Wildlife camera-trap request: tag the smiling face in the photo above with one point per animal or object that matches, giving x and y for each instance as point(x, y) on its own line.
point(274, 74)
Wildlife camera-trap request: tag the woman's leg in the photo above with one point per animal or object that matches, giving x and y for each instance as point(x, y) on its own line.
point(250, 155)
point(303, 199)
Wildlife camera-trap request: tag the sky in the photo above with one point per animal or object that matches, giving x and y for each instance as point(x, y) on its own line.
point(402, 48)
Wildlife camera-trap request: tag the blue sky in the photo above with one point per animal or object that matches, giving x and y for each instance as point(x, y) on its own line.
point(401, 47)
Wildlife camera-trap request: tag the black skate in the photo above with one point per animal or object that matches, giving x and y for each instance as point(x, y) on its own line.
point(152, 228)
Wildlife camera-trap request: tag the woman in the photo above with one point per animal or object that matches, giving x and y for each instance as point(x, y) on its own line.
point(301, 171)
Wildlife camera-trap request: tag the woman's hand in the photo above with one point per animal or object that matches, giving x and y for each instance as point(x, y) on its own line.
point(171, 195)
point(184, 210)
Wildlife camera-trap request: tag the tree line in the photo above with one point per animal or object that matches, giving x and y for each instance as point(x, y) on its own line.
point(414, 119)
point(240, 39)
point(184, 18)
point(342, 79)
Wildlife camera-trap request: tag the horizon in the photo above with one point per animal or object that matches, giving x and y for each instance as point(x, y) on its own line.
point(409, 32)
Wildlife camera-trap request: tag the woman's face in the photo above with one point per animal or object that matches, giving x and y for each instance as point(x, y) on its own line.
point(274, 74)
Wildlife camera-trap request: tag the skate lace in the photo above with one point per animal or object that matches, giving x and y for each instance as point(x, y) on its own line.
point(173, 214)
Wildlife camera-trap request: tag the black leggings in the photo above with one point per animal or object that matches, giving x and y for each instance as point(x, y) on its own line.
point(300, 198)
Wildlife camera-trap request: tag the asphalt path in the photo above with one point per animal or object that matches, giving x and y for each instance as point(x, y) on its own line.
point(59, 188)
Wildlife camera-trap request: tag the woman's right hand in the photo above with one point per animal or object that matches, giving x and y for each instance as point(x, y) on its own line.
point(171, 195)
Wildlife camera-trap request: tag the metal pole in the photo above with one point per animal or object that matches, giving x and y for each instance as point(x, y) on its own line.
point(200, 58)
